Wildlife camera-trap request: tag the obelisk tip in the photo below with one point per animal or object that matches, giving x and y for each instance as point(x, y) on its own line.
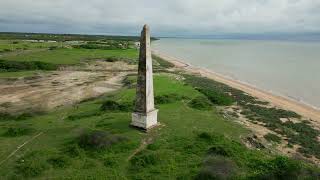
point(146, 27)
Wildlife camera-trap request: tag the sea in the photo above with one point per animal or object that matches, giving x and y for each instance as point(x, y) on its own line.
point(288, 68)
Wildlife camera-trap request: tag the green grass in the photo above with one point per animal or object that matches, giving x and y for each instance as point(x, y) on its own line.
point(14, 45)
point(71, 56)
point(183, 147)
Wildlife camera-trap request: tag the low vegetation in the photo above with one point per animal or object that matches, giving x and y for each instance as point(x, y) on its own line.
point(19, 130)
point(162, 63)
point(11, 66)
point(272, 138)
point(201, 103)
point(110, 105)
point(168, 98)
point(98, 140)
point(93, 139)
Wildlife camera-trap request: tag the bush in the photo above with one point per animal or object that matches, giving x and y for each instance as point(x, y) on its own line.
point(201, 103)
point(74, 150)
point(59, 161)
point(11, 66)
point(18, 131)
point(98, 140)
point(112, 59)
point(53, 48)
point(130, 81)
point(163, 63)
point(216, 97)
point(272, 137)
point(110, 105)
point(168, 98)
point(279, 168)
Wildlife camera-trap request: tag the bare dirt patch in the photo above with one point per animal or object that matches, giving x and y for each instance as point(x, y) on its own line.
point(65, 87)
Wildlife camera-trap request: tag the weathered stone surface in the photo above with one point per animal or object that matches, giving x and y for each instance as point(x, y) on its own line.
point(145, 115)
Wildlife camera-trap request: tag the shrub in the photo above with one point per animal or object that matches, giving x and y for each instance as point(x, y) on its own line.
point(18, 131)
point(110, 105)
point(201, 103)
point(74, 150)
point(272, 137)
point(59, 161)
point(279, 168)
point(216, 97)
point(130, 81)
point(112, 59)
point(168, 98)
point(98, 140)
point(163, 63)
point(11, 66)
point(110, 161)
point(53, 48)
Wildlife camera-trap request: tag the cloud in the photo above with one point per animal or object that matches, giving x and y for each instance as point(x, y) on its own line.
point(166, 17)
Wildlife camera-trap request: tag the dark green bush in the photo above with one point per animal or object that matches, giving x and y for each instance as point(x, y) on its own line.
point(74, 150)
point(168, 98)
point(112, 59)
point(201, 103)
point(98, 140)
point(59, 161)
point(110, 105)
point(18, 131)
point(11, 66)
point(280, 168)
point(272, 137)
point(163, 63)
point(216, 97)
point(53, 48)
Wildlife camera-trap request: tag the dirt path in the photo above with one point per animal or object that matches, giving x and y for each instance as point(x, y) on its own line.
point(19, 147)
point(149, 139)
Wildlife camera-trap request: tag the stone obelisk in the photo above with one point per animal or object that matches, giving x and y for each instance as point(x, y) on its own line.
point(145, 115)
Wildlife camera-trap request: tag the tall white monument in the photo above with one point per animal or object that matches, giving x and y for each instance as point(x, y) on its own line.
point(145, 115)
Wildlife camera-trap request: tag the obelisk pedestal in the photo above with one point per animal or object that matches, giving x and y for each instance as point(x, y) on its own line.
point(145, 115)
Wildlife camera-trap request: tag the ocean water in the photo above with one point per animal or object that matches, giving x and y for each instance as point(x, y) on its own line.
point(286, 68)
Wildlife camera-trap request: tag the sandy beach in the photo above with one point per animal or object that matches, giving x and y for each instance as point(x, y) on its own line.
point(279, 101)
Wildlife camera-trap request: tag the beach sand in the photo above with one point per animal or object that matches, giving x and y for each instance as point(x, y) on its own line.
point(278, 101)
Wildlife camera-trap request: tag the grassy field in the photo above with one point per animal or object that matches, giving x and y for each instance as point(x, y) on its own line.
point(93, 139)
point(71, 56)
point(41, 52)
point(188, 142)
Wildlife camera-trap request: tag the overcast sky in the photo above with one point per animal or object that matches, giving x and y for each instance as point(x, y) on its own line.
point(165, 17)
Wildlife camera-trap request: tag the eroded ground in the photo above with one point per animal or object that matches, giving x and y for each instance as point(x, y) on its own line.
point(70, 85)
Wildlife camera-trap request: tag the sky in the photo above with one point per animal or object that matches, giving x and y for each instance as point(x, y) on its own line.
point(165, 17)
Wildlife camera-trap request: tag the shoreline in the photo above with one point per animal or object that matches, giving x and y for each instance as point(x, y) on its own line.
point(277, 100)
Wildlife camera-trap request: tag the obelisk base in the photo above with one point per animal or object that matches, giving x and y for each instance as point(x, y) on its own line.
point(145, 120)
